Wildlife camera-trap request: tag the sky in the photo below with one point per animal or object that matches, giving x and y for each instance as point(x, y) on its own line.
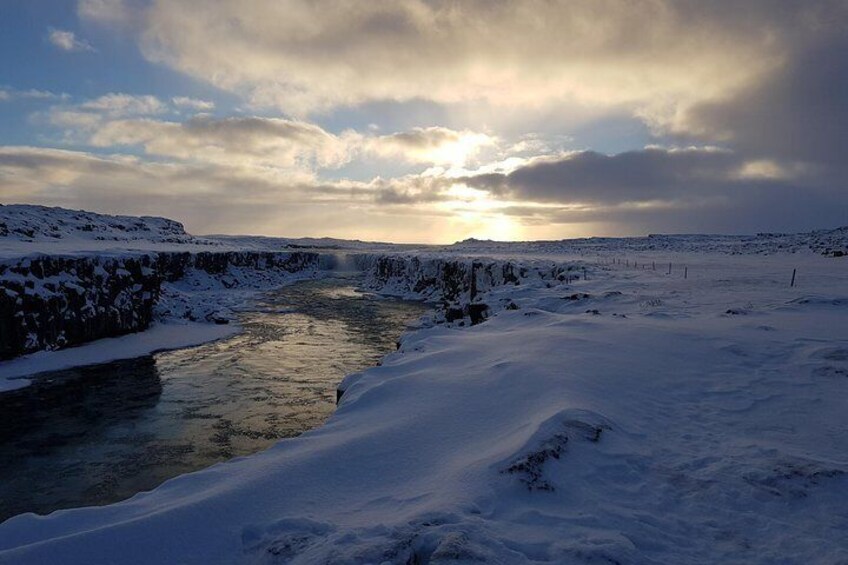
point(430, 121)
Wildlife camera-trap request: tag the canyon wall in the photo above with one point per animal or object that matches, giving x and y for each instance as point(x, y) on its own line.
point(458, 283)
point(51, 302)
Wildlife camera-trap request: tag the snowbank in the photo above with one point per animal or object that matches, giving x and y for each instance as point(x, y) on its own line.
point(636, 417)
point(158, 337)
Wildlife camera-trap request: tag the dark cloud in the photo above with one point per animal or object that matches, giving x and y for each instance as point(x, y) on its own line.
point(667, 190)
point(634, 176)
point(798, 113)
point(424, 138)
point(760, 208)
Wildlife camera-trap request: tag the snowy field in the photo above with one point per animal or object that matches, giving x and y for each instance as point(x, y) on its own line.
point(635, 417)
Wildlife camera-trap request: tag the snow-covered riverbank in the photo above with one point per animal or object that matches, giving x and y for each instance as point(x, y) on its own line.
point(634, 418)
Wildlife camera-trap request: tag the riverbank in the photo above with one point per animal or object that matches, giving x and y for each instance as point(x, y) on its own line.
point(159, 337)
point(99, 434)
point(633, 417)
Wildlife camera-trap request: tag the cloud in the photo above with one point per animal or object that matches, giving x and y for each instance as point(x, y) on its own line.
point(529, 202)
point(435, 145)
point(282, 142)
point(685, 66)
point(80, 119)
point(306, 56)
point(211, 198)
point(746, 102)
point(8, 94)
point(119, 13)
point(688, 189)
point(244, 140)
point(633, 176)
point(798, 114)
point(116, 105)
point(193, 103)
point(67, 40)
point(120, 120)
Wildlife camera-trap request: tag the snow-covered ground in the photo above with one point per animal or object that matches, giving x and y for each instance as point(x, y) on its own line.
point(634, 417)
point(27, 229)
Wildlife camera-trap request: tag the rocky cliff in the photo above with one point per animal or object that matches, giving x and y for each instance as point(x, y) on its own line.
point(458, 283)
point(51, 302)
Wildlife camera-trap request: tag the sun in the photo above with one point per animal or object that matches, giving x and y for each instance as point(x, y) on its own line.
point(457, 153)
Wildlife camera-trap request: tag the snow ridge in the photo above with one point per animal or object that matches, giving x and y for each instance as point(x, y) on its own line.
point(832, 243)
point(28, 223)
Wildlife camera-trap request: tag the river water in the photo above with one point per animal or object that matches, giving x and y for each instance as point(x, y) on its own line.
point(98, 434)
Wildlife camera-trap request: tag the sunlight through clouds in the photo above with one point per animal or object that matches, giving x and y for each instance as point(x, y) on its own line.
point(478, 118)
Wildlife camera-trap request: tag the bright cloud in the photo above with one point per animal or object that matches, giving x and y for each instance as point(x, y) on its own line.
point(238, 140)
point(67, 40)
point(306, 56)
point(116, 120)
point(436, 145)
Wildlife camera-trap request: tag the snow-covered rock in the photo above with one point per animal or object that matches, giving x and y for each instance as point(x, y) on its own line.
point(51, 302)
point(55, 301)
point(29, 223)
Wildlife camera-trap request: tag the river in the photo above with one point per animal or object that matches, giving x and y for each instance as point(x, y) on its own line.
point(99, 434)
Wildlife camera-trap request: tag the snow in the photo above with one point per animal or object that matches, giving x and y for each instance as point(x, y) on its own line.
point(631, 417)
point(158, 337)
point(635, 416)
point(27, 229)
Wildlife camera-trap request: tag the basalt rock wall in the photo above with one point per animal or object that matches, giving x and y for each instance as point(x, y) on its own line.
point(453, 280)
point(51, 302)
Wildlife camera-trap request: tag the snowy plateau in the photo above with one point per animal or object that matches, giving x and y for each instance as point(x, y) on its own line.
point(662, 399)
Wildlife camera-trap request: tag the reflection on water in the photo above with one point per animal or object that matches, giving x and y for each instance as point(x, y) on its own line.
point(98, 434)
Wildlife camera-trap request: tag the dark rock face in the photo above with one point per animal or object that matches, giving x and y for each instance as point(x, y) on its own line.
point(458, 283)
point(173, 266)
point(478, 312)
point(454, 313)
point(51, 302)
point(452, 279)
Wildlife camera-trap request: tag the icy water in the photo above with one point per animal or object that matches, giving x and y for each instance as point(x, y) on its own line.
point(98, 434)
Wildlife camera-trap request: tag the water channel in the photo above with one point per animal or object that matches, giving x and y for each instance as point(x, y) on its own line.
point(98, 434)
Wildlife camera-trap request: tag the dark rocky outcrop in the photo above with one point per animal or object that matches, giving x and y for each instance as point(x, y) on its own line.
point(458, 283)
point(51, 302)
point(454, 279)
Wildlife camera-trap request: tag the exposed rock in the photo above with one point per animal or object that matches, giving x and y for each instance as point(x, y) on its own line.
point(457, 280)
point(454, 313)
point(478, 312)
point(52, 302)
